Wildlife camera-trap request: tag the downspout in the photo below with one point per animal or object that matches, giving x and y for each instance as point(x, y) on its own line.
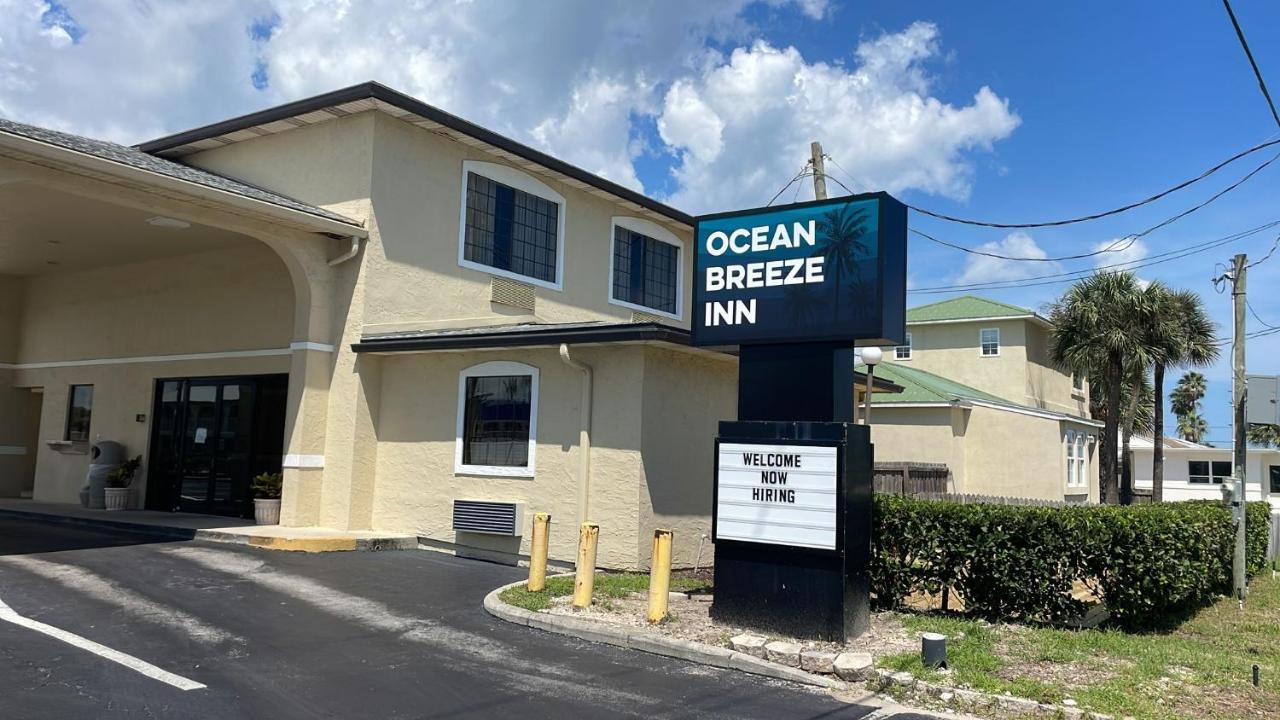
point(584, 433)
point(350, 253)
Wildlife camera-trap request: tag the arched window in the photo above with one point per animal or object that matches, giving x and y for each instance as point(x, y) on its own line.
point(511, 225)
point(646, 267)
point(497, 420)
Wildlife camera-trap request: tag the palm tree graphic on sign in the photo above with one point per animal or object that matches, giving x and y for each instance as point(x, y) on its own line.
point(844, 229)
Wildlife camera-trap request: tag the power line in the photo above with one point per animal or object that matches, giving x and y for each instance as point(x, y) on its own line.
point(1258, 317)
point(1262, 85)
point(804, 172)
point(1071, 276)
point(1265, 257)
point(1119, 245)
point(1105, 213)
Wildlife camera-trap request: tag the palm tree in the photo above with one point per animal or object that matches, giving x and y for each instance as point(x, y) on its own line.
point(1178, 332)
point(1263, 435)
point(1192, 427)
point(844, 231)
point(1093, 330)
point(1185, 400)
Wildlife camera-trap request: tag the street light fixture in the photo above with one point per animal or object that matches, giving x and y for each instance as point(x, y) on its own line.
point(872, 357)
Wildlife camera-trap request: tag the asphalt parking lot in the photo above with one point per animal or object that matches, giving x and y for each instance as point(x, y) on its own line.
point(100, 625)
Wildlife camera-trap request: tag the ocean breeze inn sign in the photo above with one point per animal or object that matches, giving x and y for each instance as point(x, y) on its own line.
point(824, 271)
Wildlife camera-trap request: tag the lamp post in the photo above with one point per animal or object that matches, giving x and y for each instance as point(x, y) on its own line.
point(871, 356)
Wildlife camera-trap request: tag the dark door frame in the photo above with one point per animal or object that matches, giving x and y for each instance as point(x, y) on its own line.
point(161, 494)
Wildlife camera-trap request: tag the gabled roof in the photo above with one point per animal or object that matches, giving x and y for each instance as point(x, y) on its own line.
point(920, 386)
point(133, 158)
point(375, 96)
point(969, 307)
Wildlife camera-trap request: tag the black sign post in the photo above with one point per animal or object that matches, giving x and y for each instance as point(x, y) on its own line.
point(795, 287)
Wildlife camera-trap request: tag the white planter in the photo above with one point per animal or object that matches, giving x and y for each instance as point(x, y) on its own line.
point(117, 498)
point(266, 512)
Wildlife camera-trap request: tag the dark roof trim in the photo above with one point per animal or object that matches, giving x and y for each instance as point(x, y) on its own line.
point(381, 92)
point(525, 337)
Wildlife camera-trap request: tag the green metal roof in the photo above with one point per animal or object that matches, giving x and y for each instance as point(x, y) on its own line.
point(966, 307)
point(919, 386)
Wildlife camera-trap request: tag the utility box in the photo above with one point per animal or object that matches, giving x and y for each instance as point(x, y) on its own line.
point(1261, 406)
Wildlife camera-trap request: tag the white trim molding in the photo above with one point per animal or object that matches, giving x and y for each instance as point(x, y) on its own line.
point(13, 450)
point(307, 345)
point(302, 462)
point(148, 359)
point(525, 183)
point(657, 232)
point(492, 369)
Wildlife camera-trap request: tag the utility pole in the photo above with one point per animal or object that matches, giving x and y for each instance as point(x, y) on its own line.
point(819, 170)
point(1240, 446)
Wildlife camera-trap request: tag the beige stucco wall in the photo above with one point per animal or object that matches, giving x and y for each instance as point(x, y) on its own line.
point(17, 447)
point(685, 398)
point(417, 431)
point(1022, 373)
point(92, 327)
point(952, 350)
point(989, 451)
point(416, 280)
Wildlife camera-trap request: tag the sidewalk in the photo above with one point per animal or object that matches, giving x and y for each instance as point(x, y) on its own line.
point(187, 526)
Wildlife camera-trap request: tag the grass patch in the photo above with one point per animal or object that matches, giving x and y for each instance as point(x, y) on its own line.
point(608, 586)
point(1198, 669)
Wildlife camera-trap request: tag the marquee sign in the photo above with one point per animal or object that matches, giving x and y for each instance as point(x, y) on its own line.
point(828, 270)
point(778, 494)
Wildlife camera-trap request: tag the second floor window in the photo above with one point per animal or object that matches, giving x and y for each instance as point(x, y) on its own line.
point(511, 231)
point(989, 339)
point(645, 271)
point(79, 411)
point(1077, 382)
point(903, 352)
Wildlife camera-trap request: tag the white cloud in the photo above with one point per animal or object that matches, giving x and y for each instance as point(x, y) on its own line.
point(582, 86)
point(982, 269)
point(877, 120)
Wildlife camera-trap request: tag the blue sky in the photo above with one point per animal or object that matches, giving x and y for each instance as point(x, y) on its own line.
point(1008, 111)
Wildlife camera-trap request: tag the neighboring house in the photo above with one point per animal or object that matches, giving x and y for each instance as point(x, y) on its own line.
point(428, 327)
point(1199, 472)
point(980, 395)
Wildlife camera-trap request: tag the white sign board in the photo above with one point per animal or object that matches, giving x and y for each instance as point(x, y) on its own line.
point(778, 494)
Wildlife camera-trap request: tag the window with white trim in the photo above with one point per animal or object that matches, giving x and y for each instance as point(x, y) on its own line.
point(989, 340)
point(1206, 472)
point(1077, 382)
point(1077, 459)
point(497, 419)
point(646, 271)
point(512, 225)
point(903, 352)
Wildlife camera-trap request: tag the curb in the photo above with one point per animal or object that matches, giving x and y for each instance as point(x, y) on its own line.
point(265, 542)
point(653, 644)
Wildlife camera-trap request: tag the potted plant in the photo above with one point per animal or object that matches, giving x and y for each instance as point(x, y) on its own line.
point(118, 482)
point(266, 498)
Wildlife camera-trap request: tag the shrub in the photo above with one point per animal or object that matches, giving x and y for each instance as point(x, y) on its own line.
point(1014, 562)
point(267, 486)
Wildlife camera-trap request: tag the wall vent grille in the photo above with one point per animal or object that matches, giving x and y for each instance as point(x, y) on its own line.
point(505, 291)
point(484, 516)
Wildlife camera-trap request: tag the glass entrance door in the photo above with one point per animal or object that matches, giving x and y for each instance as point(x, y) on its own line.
point(210, 437)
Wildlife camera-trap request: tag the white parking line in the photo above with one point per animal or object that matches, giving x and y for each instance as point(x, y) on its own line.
point(99, 588)
point(140, 666)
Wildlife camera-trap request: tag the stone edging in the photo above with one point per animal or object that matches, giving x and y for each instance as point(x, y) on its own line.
point(651, 643)
point(961, 699)
point(879, 680)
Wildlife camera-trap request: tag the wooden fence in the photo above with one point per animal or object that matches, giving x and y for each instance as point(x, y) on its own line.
point(971, 499)
point(911, 478)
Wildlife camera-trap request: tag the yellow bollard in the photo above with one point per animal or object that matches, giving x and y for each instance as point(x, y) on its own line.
point(660, 576)
point(585, 580)
point(538, 552)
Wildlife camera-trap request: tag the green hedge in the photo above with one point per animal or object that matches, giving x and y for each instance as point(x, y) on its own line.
point(1014, 562)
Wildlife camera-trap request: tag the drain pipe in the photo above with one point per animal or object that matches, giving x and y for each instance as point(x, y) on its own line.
point(584, 433)
point(350, 253)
